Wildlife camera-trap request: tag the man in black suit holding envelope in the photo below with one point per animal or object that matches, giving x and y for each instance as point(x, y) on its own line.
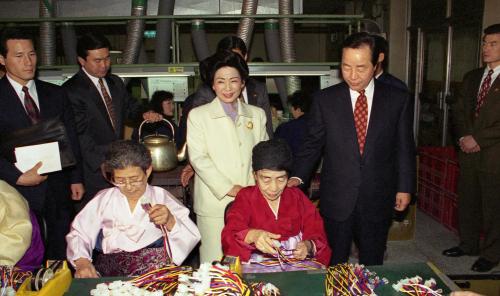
point(25, 101)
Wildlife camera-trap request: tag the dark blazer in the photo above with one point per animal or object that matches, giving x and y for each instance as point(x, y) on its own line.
point(393, 81)
point(257, 96)
point(53, 103)
point(347, 178)
point(94, 128)
point(485, 128)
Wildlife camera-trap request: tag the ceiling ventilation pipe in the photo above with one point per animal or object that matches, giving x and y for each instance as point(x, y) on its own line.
point(199, 38)
point(135, 31)
point(68, 37)
point(164, 32)
point(285, 7)
point(47, 34)
point(245, 27)
point(272, 40)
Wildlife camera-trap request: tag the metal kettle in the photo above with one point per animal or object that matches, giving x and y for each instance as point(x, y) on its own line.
point(163, 150)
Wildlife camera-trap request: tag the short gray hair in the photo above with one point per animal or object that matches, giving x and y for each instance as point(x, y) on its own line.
point(126, 153)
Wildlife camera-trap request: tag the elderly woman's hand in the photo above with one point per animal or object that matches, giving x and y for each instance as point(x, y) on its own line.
point(160, 215)
point(302, 249)
point(85, 269)
point(264, 241)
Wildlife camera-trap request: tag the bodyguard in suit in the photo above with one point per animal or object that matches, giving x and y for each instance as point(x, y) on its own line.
point(381, 73)
point(476, 119)
point(363, 130)
point(25, 101)
point(101, 105)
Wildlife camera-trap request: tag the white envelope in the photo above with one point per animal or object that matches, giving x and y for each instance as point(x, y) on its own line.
point(48, 154)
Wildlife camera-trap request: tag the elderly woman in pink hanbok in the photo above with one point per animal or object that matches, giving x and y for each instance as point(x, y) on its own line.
point(133, 227)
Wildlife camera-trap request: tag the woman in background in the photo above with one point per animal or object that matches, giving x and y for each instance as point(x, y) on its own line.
point(220, 138)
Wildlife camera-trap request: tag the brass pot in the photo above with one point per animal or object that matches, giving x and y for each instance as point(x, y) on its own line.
point(163, 150)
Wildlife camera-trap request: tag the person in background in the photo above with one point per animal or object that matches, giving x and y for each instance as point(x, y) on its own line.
point(162, 102)
point(271, 214)
point(22, 244)
point(2, 71)
point(254, 93)
point(476, 121)
point(220, 138)
point(276, 111)
point(294, 131)
point(381, 73)
point(101, 104)
point(24, 102)
point(364, 130)
point(123, 223)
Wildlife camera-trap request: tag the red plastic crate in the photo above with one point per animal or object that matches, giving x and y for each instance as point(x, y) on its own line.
point(430, 200)
point(439, 167)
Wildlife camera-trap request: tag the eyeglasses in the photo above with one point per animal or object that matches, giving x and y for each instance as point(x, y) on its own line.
point(126, 181)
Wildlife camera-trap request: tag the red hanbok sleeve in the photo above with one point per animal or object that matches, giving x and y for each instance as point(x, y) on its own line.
point(237, 226)
point(313, 228)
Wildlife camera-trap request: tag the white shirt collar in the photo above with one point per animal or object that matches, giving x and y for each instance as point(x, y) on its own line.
point(18, 88)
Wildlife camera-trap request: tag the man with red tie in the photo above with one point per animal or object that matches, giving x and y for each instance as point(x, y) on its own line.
point(25, 101)
point(363, 130)
point(476, 118)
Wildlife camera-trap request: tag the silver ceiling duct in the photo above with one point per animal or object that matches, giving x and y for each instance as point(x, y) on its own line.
point(245, 27)
point(164, 32)
point(135, 31)
point(288, 43)
point(272, 40)
point(199, 38)
point(69, 41)
point(47, 34)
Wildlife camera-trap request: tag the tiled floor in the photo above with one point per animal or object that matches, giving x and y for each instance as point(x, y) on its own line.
point(431, 238)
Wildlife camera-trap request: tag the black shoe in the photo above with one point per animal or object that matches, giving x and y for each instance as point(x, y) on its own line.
point(483, 265)
point(454, 252)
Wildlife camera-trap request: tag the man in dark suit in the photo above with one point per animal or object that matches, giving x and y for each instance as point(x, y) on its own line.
point(254, 93)
point(363, 129)
point(381, 73)
point(476, 119)
point(101, 104)
point(25, 101)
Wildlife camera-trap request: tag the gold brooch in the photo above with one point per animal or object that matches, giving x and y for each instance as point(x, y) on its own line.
point(250, 125)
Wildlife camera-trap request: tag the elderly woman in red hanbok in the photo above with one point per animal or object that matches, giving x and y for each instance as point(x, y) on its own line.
point(270, 214)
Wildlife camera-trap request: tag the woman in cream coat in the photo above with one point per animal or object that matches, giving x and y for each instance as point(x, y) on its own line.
point(220, 138)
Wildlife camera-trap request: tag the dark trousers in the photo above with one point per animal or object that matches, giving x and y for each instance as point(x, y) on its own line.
point(478, 209)
point(371, 237)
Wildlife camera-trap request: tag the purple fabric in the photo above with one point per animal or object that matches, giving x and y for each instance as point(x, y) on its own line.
point(33, 257)
point(131, 263)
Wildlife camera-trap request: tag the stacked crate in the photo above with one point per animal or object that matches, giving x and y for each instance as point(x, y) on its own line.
point(437, 184)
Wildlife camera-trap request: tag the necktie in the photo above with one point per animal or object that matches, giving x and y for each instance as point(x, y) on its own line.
point(483, 91)
point(109, 103)
point(361, 119)
point(30, 106)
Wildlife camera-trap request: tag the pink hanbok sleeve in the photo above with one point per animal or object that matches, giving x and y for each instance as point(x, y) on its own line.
point(185, 235)
point(83, 233)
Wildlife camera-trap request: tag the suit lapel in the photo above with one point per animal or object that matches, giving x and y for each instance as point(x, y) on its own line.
point(14, 102)
point(376, 121)
point(95, 96)
point(346, 118)
point(117, 107)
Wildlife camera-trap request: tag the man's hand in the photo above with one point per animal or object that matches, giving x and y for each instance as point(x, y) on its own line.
point(264, 241)
point(302, 249)
point(85, 269)
point(31, 176)
point(469, 145)
point(293, 182)
point(234, 191)
point(77, 191)
point(152, 116)
point(186, 174)
point(402, 201)
point(160, 215)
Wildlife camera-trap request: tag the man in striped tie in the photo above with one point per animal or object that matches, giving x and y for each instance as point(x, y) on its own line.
point(476, 119)
point(363, 128)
